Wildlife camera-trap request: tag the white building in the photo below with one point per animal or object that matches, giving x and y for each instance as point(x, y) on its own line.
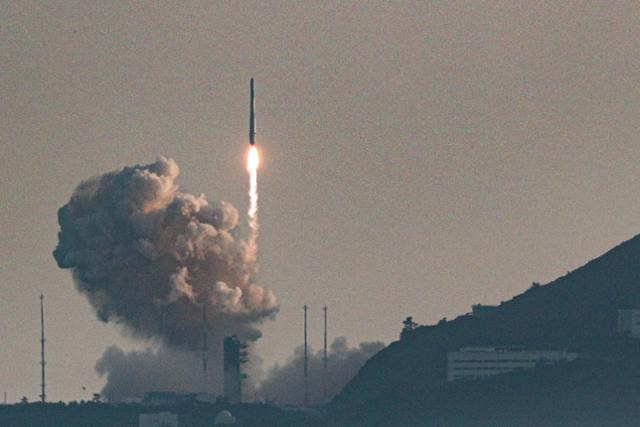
point(481, 362)
point(224, 418)
point(629, 322)
point(160, 419)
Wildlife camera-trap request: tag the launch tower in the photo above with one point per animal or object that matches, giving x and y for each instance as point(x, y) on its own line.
point(233, 357)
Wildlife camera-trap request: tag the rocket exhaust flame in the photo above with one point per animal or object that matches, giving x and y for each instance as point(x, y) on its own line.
point(253, 161)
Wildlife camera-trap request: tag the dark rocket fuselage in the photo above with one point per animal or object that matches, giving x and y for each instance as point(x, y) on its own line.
point(252, 116)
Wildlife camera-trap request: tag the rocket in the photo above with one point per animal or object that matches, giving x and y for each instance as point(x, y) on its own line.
point(252, 116)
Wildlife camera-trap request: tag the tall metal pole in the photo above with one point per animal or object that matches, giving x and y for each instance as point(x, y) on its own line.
point(204, 342)
point(325, 339)
point(43, 396)
point(306, 382)
point(324, 358)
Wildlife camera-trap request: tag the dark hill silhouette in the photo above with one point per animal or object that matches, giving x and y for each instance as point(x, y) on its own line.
point(577, 311)
point(585, 392)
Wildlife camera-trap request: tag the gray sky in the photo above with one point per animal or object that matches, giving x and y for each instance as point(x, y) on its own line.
point(419, 157)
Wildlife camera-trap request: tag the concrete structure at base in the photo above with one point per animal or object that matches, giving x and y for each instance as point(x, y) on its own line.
point(160, 419)
point(629, 322)
point(169, 398)
point(480, 362)
point(164, 398)
point(232, 376)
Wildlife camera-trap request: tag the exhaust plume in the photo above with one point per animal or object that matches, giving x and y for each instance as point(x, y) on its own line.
point(253, 161)
point(284, 384)
point(130, 374)
point(149, 256)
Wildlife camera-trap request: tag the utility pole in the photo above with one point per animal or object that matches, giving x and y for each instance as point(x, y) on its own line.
point(43, 396)
point(325, 339)
point(324, 358)
point(204, 343)
point(306, 380)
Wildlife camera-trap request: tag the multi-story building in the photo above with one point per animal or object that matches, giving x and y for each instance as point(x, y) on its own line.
point(481, 362)
point(629, 322)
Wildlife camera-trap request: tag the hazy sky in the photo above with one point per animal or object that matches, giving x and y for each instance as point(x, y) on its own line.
point(419, 157)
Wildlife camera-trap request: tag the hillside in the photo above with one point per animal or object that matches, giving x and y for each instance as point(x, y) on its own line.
point(587, 392)
point(577, 311)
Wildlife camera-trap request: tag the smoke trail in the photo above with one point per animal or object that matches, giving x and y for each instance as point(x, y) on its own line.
point(284, 384)
point(253, 160)
point(149, 257)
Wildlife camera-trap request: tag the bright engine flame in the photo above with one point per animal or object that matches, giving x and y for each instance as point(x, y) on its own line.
point(253, 160)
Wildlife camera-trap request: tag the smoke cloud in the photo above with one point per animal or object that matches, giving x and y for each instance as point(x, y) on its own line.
point(131, 374)
point(285, 383)
point(152, 258)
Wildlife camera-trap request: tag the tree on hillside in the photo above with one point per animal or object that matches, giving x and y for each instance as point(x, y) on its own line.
point(408, 326)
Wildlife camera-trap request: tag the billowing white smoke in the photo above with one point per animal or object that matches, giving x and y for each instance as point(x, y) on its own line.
point(131, 374)
point(150, 257)
point(285, 384)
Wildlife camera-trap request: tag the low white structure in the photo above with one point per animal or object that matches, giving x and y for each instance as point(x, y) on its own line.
point(481, 362)
point(160, 419)
point(629, 322)
point(224, 418)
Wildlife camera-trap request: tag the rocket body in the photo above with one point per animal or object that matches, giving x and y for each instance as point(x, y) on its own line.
point(252, 116)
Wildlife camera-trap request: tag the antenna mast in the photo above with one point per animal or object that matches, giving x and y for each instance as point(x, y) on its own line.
point(204, 342)
point(43, 396)
point(324, 359)
point(306, 381)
